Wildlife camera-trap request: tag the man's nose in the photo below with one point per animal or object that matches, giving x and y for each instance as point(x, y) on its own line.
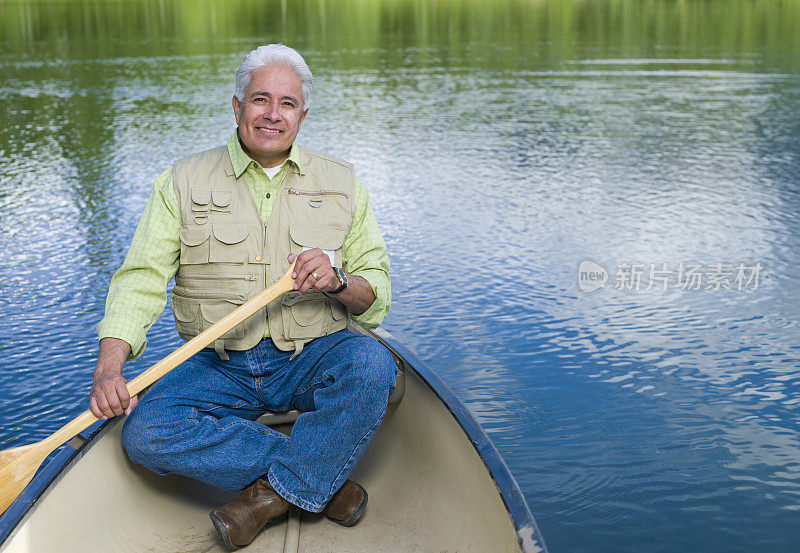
point(272, 113)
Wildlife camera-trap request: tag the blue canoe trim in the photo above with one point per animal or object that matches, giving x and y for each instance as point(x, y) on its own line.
point(47, 476)
point(530, 538)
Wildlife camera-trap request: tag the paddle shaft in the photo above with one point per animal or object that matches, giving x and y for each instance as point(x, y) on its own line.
point(205, 338)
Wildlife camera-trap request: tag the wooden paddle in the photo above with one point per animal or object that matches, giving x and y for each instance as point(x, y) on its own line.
point(18, 465)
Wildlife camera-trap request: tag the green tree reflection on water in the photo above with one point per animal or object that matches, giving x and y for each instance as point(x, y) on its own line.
point(502, 34)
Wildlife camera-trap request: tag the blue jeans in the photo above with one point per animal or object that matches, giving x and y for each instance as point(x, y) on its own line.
point(198, 420)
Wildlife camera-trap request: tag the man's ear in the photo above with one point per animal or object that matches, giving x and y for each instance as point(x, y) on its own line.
point(235, 102)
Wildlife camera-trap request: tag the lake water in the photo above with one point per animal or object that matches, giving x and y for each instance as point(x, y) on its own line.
point(504, 143)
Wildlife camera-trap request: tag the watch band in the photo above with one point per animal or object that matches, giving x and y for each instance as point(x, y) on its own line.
point(340, 274)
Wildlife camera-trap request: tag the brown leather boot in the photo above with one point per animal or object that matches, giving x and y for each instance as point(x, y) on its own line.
point(239, 521)
point(347, 504)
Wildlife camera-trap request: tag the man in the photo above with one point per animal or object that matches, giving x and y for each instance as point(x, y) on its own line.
point(226, 224)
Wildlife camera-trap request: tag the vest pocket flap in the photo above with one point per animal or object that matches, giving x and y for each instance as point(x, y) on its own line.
point(194, 236)
point(221, 198)
point(201, 196)
point(216, 310)
point(185, 310)
point(291, 298)
point(231, 233)
point(213, 311)
point(326, 238)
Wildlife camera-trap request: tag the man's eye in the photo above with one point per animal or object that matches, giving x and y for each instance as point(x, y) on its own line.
point(259, 100)
point(288, 104)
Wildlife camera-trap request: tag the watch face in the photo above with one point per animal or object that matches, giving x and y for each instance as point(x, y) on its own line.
point(342, 279)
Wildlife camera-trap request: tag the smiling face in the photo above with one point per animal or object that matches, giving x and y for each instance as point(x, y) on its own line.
point(270, 114)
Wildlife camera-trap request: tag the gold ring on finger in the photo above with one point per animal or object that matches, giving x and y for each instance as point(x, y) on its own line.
point(315, 275)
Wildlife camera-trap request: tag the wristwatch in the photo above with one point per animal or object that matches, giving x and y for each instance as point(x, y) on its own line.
point(342, 276)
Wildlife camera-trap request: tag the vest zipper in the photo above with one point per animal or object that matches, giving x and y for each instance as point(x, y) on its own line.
point(318, 193)
point(248, 278)
point(209, 295)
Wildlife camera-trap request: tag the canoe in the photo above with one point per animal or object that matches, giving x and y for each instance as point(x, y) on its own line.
point(435, 482)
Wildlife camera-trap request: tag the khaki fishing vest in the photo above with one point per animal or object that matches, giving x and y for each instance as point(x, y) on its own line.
point(229, 253)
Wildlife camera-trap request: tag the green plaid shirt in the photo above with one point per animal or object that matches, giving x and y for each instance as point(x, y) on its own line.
point(137, 295)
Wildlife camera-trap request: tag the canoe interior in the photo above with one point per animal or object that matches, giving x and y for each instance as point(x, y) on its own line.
point(429, 491)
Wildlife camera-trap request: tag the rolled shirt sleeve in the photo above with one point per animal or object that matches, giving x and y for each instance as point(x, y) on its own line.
point(137, 294)
point(365, 256)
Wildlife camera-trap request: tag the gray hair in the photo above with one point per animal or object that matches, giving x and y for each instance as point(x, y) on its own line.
point(274, 54)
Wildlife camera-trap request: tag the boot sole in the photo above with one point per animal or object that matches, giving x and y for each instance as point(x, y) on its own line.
point(222, 531)
point(355, 517)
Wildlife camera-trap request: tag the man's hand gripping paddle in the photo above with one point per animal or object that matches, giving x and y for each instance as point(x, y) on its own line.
point(19, 464)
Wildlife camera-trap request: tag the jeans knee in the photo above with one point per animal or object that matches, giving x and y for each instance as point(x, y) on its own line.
point(145, 442)
point(376, 366)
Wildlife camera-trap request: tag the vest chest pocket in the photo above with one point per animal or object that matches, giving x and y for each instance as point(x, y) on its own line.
point(221, 200)
point(229, 244)
point(328, 238)
point(201, 197)
point(195, 244)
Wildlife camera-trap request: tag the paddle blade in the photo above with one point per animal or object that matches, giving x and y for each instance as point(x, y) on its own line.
point(17, 467)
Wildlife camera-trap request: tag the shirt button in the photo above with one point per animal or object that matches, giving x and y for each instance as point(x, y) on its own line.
point(258, 258)
point(268, 195)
